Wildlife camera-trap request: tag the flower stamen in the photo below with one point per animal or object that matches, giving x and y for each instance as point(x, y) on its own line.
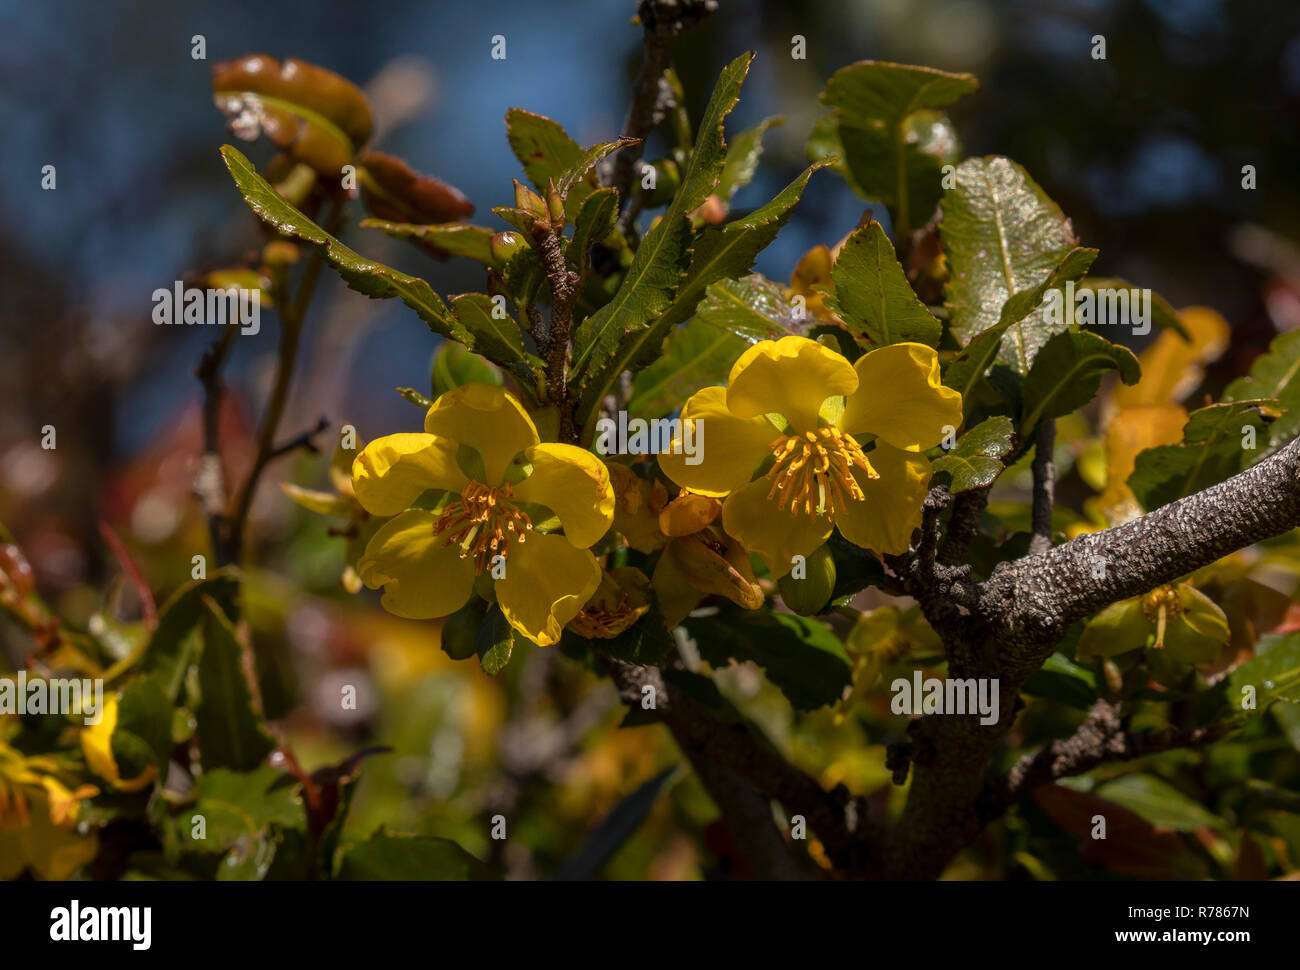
point(483, 523)
point(813, 471)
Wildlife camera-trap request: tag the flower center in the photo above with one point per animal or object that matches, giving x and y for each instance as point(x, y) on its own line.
point(483, 523)
point(813, 471)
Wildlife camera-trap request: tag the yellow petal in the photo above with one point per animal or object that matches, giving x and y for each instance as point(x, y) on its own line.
point(488, 419)
point(675, 596)
point(52, 851)
point(791, 377)
point(1131, 431)
point(731, 447)
point(1172, 366)
point(891, 509)
point(97, 741)
point(547, 582)
point(391, 472)
point(688, 513)
point(900, 398)
point(637, 502)
point(774, 535)
point(422, 578)
point(574, 484)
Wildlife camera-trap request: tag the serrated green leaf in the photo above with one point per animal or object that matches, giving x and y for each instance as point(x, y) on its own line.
point(1275, 374)
point(543, 147)
point(595, 221)
point(752, 307)
point(1067, 373)
point(497, 338)
point(884, 113)
point(976, 461)
point(143, 734)
point(694, 356)
point(660, 261)
point(1210, 452)
point(496, 639)
point(573, 180)
point(457, 238)
point(373, 279)
point(1002, 236)
point(971, 364)
point(1159, 802)
point(872, 294)
point(800, 655)
point(231, 734)
point(391, 857)
point(237, 804)
point(743, 153)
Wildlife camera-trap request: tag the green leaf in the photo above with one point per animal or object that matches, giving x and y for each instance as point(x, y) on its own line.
point(594, 222)
point(496, 639)
point(170, 649)
point(977, 460)
point(752, 307)
point(390, 857)
point(742, 158)
point(143, 734)
point(543, 147)
point(659, 264)
point(497, 338)
point(1159, 802)
point(231, 734)
point(454, 366)
point(884, 113)
point(1275, 374)
point(974, 361)
point(1064, 681)
point(873, 296)
point(1067, 373)
point(363, 275)
point(457, 238)
point(1163, 315)
point(1274, 674)
point(573, 181)
point(1002, 236)
point(800, 655)
point(235, 805)
point(1210, 452)
point(694, 356)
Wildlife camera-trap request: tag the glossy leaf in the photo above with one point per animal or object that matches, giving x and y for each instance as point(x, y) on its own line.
point(231, 734)
point(1159, 802)
point(409, 858)
point(497, 337)
point(976, 461)
point(361, 274)
point(457, 238)
point(694, 356)
point(1067, 373)
point(1002, 236)
point(743, 153)
point(496, 639)
point(1211, 451)
point(872, 294)
point(1275, 374)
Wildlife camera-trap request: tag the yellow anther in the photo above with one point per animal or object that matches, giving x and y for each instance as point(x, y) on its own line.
point(483, 523)
point(813, 472)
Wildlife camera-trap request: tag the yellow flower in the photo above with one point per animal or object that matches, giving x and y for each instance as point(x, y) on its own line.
point(38, 819)
point(97, 746)
point(785, 441)
point(502, 493)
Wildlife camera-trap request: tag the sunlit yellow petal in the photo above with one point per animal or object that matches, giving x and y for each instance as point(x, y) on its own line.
point(574, 484)
point(774, 535)
point(488, 419)
point(422, 578)
point(730, 448)
point(391, 472)
point(900, 398)
point(52, 851)
point(791, 377)
point(883, 522)
point(547, 582)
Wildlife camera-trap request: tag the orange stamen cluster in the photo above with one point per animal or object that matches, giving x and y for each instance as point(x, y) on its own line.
point(483, 523)
point(813, 472)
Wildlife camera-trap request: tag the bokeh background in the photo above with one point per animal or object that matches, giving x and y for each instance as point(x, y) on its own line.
point(1144, 151)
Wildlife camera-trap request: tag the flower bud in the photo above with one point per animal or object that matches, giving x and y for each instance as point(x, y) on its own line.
point(555, 207)
point(529, 201)
point(811, 593)
point(505, 245)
